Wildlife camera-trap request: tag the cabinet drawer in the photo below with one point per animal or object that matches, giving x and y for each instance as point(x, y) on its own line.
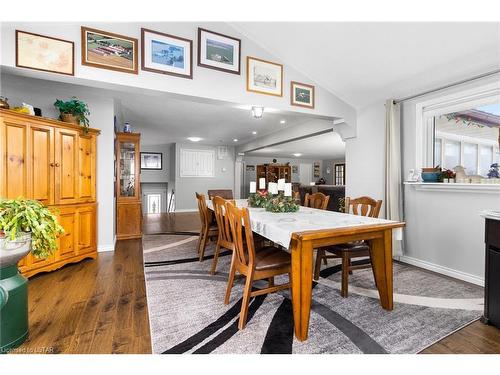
point(493, 232)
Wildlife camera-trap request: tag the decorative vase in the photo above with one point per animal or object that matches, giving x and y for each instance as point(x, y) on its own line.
point(68, 117)
point(13, 292)
point(127, 128)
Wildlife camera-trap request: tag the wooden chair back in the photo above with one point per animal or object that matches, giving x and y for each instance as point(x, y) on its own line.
point(223, 193)
point(239, 220)
point(203, 210)
point(363, 206)
point(225, 236)
point(316, 200)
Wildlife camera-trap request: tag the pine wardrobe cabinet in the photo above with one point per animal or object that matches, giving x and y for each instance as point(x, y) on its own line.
point(53, 162)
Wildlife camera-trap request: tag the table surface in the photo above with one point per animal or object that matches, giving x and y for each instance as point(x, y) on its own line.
point(279, 227)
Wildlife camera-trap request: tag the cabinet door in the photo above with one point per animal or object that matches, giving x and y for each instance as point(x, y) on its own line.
point(67, 241)
point(86, 168)
point(14, 173)
point(86, 229)
point(66, 166)
point(128, 220)
point(41, 144)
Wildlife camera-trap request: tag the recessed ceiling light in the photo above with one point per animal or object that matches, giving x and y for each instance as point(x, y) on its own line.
point(235, 140)
point(257, 112)
point(283, 122)
point(297, 154)
point(194, 139)
point(254, 132)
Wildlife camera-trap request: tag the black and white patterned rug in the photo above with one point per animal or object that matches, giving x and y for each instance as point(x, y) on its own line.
point(187, 313)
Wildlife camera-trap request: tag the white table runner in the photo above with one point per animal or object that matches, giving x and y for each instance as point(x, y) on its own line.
point(278, 227)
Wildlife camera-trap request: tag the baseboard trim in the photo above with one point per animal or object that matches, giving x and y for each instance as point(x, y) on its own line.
point(186, 210)
point(104, 248)
point(443, 270)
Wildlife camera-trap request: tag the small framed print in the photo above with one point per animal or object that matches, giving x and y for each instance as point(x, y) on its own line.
point(40, 52)
point(264, 77)
point(301, 95)
point(105, 50)
point(151, 160)
point(218, 51)
point(166, 54)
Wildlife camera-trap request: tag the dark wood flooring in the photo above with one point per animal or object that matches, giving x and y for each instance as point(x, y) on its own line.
point(100, 306)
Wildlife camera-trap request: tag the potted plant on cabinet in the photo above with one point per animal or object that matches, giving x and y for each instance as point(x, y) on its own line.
point(25, 225)
point(74, 111)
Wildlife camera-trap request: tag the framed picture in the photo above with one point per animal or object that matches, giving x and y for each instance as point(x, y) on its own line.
point(101, 49)
point(264, 77)
point(295, 169)
point(151, 160)
point(250, 168)
point(301, 95)
point(166, 54)
point(40, 52)
point(317, 169)
point(218, 51)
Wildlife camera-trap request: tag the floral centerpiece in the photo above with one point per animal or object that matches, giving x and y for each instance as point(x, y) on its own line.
point(280, 203)
point(448, 175)
point(259, 199)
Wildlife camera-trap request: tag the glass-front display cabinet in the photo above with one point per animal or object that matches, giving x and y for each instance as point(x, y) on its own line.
point(128, 186)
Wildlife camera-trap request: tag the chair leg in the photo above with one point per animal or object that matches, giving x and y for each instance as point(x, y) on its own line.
point(345, 275)
point(246, 301)
point(230, 280)
point(319, 255)
point(215, 260)
point(349, 265)
point(203, 245)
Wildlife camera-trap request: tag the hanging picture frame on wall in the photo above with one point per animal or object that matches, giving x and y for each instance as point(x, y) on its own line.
point(45, 53)
point(105, 50)
point(301, 95)
point(264, 77)
point(218, 51)
point(151, 161)
point(166, 54)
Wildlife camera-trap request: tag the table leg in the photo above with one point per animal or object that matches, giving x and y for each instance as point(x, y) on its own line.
point(302, 272)
point(381, 254)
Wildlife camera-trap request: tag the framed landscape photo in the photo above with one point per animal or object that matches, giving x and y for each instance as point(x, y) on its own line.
point(166, 54)
point(102, 49)
point(218, 51)
point(151, 160)
point(264, 77)
point(40, 52)
point(301, 95)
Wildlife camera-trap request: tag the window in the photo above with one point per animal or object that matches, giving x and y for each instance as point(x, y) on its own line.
point(197, 163)
point(339, 174)
point(154, 203)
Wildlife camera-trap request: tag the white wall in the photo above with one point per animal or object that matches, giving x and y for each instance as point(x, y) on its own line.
point(186, 187)
point(43, 94)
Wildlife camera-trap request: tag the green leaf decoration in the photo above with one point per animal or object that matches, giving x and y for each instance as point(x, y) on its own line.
point(76, 108)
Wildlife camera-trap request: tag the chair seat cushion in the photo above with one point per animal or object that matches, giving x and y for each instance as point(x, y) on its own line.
point(270, 257)
point(355, 246)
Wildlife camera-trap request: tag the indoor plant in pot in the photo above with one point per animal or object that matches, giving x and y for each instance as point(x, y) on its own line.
point(74, 111)
point(25, 225)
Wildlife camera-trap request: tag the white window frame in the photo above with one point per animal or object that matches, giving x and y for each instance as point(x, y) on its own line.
point(197, 171)
point(426, 111)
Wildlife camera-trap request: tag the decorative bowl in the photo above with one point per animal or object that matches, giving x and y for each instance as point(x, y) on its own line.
point(431, 176)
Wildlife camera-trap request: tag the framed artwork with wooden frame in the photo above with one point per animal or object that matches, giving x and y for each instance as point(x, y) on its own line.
point(105, 50)
point(219, 51)
point(45, 53)
point(166, 54)
point(301, 95)
point(264, 77)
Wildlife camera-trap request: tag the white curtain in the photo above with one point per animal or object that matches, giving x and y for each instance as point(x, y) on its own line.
point(393, 194)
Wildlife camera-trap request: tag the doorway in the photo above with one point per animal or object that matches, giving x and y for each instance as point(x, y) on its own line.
point(305, 174)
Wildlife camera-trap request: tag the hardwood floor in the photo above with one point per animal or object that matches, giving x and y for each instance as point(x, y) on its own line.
point(99, 306)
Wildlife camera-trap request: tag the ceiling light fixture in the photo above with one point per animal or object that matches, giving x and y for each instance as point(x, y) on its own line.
point(282, 122)
point(254, 132)
point(297, 154)
point(257, 112)
point(194, 139)
point(235, 140)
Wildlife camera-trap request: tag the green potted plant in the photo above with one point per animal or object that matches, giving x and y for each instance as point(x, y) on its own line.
point(25, 225)
point(74, 111)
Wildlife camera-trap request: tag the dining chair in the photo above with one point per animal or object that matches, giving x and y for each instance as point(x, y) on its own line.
point(254, 265)
point(208, 230)
point(224, 239)
point(316, 200)
point(223, 193)
point(364, 206)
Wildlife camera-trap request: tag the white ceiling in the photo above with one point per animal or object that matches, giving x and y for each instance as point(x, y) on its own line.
point(324, 146)
point(367, 62)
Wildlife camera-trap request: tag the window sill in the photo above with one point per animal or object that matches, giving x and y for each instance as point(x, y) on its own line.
point(459, 188)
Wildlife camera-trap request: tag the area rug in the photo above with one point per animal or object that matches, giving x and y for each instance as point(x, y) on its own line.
point(187, 313)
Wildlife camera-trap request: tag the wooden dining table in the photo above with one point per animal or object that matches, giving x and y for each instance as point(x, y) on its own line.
point(308, 229)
